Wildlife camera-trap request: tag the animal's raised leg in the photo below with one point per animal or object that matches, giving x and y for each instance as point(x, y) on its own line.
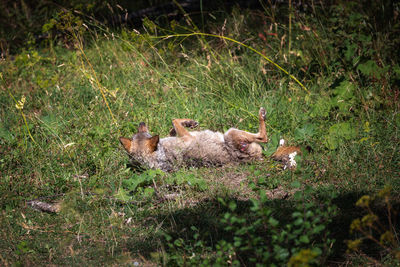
point(242, 139)
point(262, 131)
point(179, 127)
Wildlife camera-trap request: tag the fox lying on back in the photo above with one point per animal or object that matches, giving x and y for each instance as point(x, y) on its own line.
point(197, 148)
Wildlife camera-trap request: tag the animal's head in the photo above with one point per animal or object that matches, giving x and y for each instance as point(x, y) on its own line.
point(142, 144)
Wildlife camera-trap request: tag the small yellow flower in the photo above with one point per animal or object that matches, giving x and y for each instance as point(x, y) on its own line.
point(368, 220)
point(355, 225)
point(363, 202)
point(367, 128)
point(352, 245)
point(302, 258)
point(20, 103)
point(387, 238)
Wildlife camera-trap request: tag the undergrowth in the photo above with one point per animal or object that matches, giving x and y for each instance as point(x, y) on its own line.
point(333, 91)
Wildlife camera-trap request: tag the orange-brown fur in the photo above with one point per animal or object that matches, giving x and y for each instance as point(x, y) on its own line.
point(283, 152)
point(196, 148)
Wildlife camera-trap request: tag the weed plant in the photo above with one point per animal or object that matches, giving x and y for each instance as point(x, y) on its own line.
point(333, 91)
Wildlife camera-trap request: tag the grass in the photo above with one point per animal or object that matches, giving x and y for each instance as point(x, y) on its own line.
point(80, 101)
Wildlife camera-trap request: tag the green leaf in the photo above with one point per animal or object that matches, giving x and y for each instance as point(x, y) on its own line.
point(309, 214)
point(298, 195)
point(298, 221)
point(304, 133)
point(297, 214)
point(178, 242)
point(281, 253)
point(167, 237)
point(370, 68)
point(304, 239)
point(345, 90)
point(344, 96)
point(350, 50)
point(295, 184)
point(122, 195)
point(317, 251)
point(338, 133)
point(273, 222)
point(318, 229)
point(321, 108)
point(199, 184)
point(396, 71)
point(232, 205)
point(148, 191)
point(237, 243)
point(134, 182)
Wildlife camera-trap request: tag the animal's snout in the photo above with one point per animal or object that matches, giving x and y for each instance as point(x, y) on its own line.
point(142, 128)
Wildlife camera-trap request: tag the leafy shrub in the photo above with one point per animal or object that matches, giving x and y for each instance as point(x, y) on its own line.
point(66, 27)
point(261, 238)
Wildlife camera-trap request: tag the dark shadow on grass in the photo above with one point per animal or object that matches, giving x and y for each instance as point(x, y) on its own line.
point(135, 166)
point(206, 218)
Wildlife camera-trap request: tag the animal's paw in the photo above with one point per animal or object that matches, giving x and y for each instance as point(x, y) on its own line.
point(190, 124)
point(262, 113)
point(172, 132)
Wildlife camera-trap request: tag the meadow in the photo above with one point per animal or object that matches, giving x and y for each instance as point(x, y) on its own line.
point(328, 77)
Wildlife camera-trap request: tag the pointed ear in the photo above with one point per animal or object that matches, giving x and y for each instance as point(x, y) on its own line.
point(126, 143)
point(153, 142)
